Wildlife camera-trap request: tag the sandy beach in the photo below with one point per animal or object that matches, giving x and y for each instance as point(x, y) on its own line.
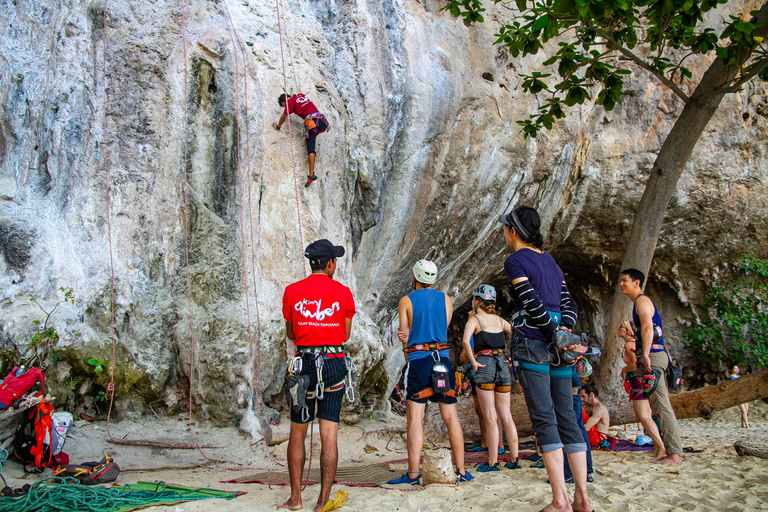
point(715, 480)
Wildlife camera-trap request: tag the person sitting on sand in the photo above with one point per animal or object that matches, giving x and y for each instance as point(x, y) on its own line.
point(634, 387)
point(492, 378)
point(599, 419)
point(743, 408)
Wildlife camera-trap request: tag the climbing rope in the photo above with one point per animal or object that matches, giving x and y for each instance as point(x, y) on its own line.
point(255, 361)
point(295, 182)
point(290, 135)
point(111, 386)
point(57, 494)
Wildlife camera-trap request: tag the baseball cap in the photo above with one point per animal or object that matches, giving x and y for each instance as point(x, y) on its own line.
point(322, 251)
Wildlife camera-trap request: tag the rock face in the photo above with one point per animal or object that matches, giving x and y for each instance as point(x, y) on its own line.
point(167, 180)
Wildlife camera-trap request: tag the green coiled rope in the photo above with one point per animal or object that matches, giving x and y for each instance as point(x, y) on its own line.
point(67, 494)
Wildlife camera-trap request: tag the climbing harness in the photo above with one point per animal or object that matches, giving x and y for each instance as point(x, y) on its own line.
point(429, 347)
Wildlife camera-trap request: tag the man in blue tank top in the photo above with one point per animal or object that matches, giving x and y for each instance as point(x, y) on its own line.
point(647, 322)
point(424, 317)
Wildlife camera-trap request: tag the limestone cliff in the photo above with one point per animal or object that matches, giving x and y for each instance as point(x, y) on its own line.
point(422, 156)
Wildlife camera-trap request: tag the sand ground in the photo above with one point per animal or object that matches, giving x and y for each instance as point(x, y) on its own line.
point(715, 480)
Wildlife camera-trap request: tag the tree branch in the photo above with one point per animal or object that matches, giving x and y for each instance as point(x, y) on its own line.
point(640, 62)
point(744, 79)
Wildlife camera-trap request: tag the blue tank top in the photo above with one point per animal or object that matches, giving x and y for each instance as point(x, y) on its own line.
point(430, 321)
point(656, 321)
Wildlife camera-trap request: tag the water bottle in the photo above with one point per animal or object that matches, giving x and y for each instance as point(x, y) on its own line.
point(20, 370)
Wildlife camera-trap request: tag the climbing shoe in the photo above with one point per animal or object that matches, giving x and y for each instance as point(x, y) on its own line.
point(513, 465)
point(310, 179)
point(484, 467)
point(405, 479)
point(466, 477)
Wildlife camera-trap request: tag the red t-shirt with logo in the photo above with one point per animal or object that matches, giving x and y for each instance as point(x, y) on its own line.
point(300, 105)
point(318, 307)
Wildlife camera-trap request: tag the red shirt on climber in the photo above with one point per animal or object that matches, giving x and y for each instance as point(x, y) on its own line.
point(317, 307)
point(300, 105)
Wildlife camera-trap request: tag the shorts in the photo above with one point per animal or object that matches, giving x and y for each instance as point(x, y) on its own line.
point(417, 378)
point(494, 376)
point(322, 125)
point(634, 386)
point(329, 408)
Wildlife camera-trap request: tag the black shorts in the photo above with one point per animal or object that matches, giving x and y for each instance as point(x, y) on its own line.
point(417, 379)
point(329, 408)
point(312, 134)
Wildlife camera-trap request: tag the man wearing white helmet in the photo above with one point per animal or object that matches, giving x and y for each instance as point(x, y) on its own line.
point(428, 375)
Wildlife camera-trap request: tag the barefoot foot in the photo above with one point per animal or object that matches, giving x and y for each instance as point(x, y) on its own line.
point(291, 504)
point(672, 458)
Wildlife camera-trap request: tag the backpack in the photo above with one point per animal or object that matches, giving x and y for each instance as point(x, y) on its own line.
point(15, 386)
point(32, 443)
point(62, 422)
point(91, 473)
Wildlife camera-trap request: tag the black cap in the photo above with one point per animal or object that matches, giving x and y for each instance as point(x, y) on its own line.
point(322, 251)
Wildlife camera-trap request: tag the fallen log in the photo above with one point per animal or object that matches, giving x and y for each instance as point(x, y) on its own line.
point(744, 448)
point(156, 444)
point(701, 403)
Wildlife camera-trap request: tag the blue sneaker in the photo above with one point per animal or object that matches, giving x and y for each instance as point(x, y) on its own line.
point(501, 451)
point(513, 465)
point(477, 448)
point(405, 479)
point(484, 467)
point(466, 477)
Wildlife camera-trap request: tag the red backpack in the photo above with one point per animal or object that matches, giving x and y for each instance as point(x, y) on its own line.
point(14, 387)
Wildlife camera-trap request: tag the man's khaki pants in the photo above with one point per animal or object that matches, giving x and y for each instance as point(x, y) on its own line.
point(663, 408)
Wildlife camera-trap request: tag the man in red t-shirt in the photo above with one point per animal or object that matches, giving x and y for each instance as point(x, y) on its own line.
point(314, 121)
point(318, 315)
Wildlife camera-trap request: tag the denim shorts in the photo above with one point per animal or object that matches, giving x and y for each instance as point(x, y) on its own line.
point(494, 376)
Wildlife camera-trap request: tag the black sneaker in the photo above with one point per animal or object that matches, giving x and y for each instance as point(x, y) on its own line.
point(513, 465)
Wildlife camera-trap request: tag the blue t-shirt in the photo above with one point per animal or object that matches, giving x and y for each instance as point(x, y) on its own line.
point(545, 277)
point(430, 321)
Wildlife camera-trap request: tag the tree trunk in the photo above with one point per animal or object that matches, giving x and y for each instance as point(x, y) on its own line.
point(703, 402)
point(661, 184)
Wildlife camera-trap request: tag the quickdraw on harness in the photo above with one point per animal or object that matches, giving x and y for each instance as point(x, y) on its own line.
point(297, 389)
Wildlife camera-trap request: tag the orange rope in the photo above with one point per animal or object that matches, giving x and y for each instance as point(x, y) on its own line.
point(111, 387)
point(290, 135)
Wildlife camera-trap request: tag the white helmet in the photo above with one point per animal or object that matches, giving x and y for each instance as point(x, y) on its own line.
point(425, 272)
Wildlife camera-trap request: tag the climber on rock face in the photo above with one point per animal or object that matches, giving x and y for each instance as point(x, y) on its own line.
point(314, 121)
